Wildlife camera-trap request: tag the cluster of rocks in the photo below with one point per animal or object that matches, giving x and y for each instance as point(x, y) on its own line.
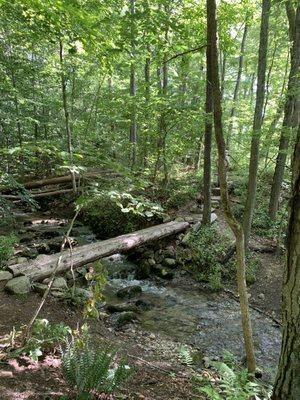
point(161, 262)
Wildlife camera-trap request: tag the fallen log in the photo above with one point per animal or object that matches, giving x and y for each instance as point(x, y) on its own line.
point(57, 180)
point(43, 266)
point(37, 195)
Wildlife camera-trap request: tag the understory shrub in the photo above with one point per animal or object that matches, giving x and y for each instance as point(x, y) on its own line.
point(6, 248)
point(113, 213)
point(90, 372)
point(44, 337)
point(181, 197)
point(207, 246)
point(233, 383)
point(253, 264)
point(7, 219)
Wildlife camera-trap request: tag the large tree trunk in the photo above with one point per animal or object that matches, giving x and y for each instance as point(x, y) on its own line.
point(258, 118)
point(43, 266)
point(207, 138)
point(222, 169)
point(287, 384)
point(291, 117)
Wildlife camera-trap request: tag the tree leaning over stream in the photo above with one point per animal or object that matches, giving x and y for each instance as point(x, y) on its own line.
point(222, 170)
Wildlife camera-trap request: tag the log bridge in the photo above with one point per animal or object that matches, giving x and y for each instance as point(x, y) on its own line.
point(43, 266)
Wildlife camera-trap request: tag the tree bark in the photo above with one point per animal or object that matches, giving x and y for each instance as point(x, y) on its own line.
point(207, 138)
point(222, 170)
point(291, 118)
point(237, 84)
point(287, 383)
point(133, 124)
point(257, 121)
point(43, 266)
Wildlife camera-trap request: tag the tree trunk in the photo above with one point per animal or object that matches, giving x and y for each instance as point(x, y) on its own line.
point(287, 383)
point(279, 111)
point(147, 101)
point(162, 124)
point(222, 170)
point(207, 138)
point(133, 124)
point(290, 121)
point(257, 122)
point(237, 84)
point(65, 102)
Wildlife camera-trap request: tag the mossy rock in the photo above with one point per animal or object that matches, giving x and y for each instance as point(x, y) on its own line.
point(107, 220)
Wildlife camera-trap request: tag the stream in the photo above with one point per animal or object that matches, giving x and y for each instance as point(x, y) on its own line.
point(207, 320)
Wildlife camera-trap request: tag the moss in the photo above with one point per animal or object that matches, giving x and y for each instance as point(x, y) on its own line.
point(107, 220)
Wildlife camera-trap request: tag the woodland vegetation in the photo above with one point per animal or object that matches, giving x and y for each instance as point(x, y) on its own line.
point(150, 159)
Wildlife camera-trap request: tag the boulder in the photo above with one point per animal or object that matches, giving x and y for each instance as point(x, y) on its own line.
point(5, 276)
point(143, 305)
point(121, 319)
point(59, 283)
point(143, 270)
point(19, 285)
point(170, 262)
point(40, 288)
point(164, 272)
point(151, 262)
point(83, 293)
point(122, 307)
point(129, 292)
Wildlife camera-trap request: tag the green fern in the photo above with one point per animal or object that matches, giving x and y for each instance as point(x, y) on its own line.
point(88, 371)
point(234, 384)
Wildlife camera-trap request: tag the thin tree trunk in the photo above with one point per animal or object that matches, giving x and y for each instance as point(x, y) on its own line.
point(66, 113)
point(287, 383)
point(237, 84)
point(133, 124)
point(223, 70)
point(290, 121)
point(268, 79)
point(257, 122)
point(279, 111)
point(207, 138)
point(147, 101)
point(65, 102)
point(162, 124)
point(222, 170)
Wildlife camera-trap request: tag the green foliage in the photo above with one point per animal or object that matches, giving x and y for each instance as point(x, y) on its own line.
point(181, 197)
point(207, 247)
point(233, 384)
point(44, 337)
point(97, 278)
point(186, 356)
point(90, 371)
point(253, 264)
point(7, 219)
point(112, 213)
point(8, 181)
point(6, 248)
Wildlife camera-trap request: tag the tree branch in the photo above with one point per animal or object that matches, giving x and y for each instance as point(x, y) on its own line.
point(185, 52)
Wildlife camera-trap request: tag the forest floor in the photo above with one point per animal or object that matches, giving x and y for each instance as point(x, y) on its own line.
point(160, 372)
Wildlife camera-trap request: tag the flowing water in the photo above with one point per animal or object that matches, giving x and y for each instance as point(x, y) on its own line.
point(209, 321)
